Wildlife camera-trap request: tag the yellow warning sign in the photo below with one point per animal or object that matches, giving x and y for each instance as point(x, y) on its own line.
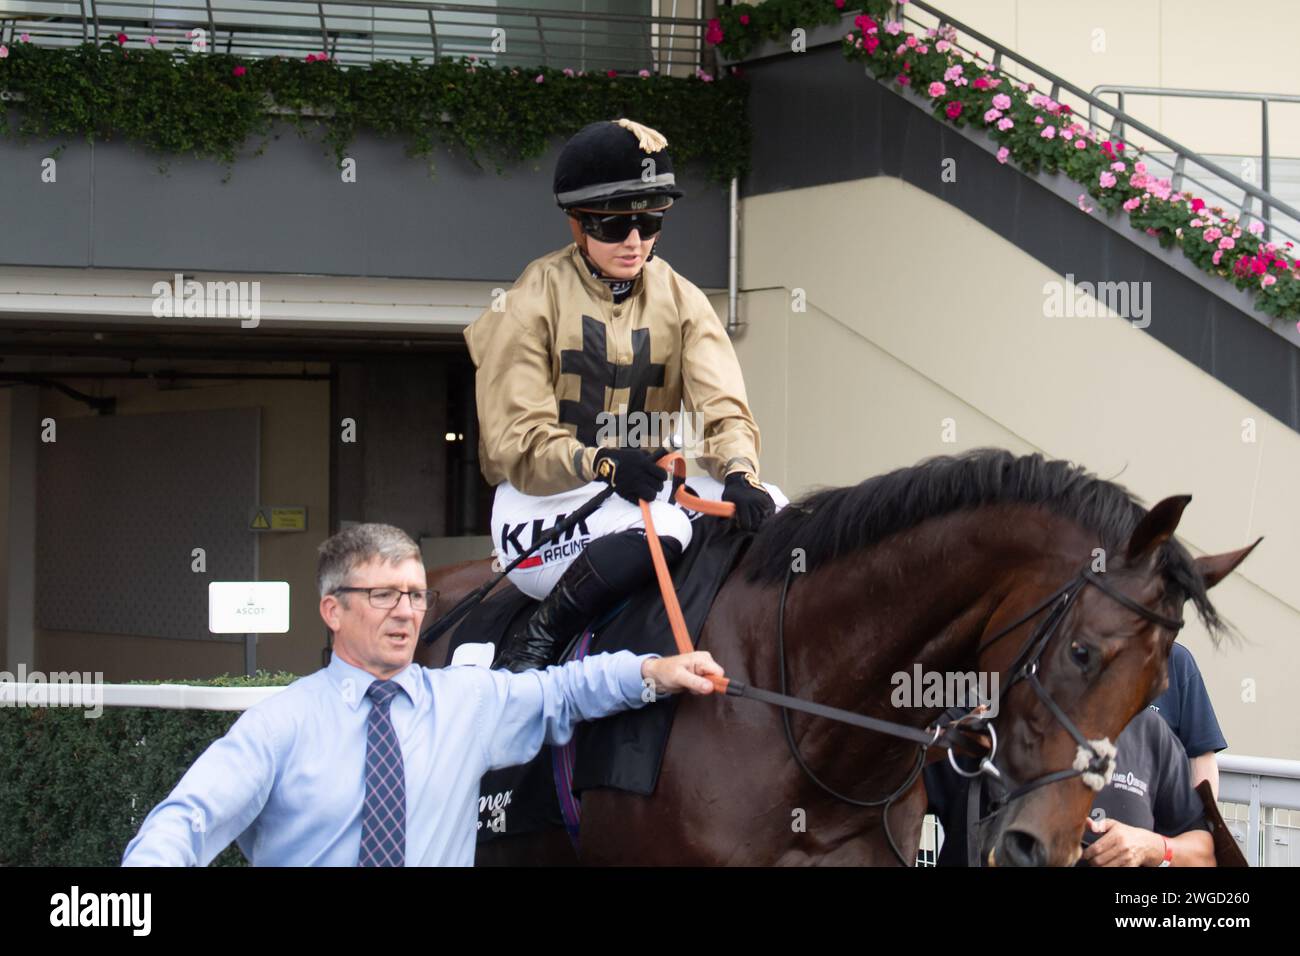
point(289, 519)
point(279, 518)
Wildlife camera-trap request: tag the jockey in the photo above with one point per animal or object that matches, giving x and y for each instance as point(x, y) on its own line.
point(591, 341)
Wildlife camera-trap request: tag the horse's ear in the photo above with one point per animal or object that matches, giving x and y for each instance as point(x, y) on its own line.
point(1215, 567)
point(1156, 527)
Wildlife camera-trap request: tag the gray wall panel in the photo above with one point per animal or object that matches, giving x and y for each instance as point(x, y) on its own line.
point(287, 211)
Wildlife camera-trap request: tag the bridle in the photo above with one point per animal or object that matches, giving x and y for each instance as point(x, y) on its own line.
point(1094, 760)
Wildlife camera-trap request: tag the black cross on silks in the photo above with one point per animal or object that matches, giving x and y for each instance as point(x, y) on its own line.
point(591, 364)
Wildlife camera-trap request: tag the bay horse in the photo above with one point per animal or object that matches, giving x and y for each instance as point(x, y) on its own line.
point(920, 565)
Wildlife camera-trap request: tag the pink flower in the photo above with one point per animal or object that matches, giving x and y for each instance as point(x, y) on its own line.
point(121, 39)
point(902, 79)
point(1002, 101)
point(1003, 153)
point(1197, 205)
point(1038, 100)
point(1131, 204)
point(952, 72)
point(1083, 202)
point(953, 109)
point(311, 58)
point(1151, 232)
point(1038, 121)
point(641, 73)
point(713, 35)
point(1255, 228)
point(937, 89)
point(1005, 123)
point(1227, 242)
point(568, 71)
point(239, 71)
point(1080, 144)
point(151, 40)
point(1196, 223)
point(871, 44)
point(1107, 180)
point(924, 48)
point(912, 41)
point(839, 4)
point(1118, 166)
point(698, 72)
point(981, 83)
point(1048, 133)
point(1212, 234)
point(541, 79)
point(613, 73)
point(1140, 167)
point(1217, 256)
point(893, 28)
point(4, 51)
point(1267, 281)
point(943, 46)
point(24, 38)
point(744, 19)
point(1236, 233)
point(991, 115)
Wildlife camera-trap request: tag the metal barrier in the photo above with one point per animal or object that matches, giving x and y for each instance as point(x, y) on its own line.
point(1265, 788)
point(359, 33)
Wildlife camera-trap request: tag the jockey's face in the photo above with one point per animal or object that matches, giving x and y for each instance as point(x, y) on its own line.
point(380, 641)
point(618, 260)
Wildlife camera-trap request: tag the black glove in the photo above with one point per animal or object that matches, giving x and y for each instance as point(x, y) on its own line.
point(631, 472)
point(753, 504)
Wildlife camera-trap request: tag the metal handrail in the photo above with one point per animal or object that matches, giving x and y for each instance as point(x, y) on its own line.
point(1263, 99)
point(1120, 121)
point(363, 31)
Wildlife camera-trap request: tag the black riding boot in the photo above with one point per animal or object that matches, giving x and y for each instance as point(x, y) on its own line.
point(584, 593)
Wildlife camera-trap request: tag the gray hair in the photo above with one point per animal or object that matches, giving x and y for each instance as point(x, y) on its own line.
point(352, 547)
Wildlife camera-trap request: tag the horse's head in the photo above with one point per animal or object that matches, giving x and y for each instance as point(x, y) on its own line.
point(1076, 674)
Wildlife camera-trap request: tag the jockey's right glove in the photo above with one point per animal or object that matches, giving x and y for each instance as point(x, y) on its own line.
point(631, 472)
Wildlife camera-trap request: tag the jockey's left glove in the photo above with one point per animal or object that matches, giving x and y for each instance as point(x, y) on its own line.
point(753, 504)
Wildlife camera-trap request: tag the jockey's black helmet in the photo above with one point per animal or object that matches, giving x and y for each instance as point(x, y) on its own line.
point(615, 165)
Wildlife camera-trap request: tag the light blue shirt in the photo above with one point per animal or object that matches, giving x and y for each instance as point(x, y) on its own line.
point(287, 781)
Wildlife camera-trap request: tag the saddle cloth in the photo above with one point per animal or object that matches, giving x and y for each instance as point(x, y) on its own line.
point(623, 751)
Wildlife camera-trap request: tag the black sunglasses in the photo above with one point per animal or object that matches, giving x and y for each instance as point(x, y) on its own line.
point(616, 226)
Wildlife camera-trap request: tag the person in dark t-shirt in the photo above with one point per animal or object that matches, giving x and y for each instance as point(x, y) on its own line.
point(1186, 707)
point(1147, 814)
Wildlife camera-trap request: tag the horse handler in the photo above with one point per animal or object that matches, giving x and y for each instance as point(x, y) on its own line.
point(375, 760)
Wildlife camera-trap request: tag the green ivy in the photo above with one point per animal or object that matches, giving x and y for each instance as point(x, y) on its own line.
point(181, 102)
point(74, 790)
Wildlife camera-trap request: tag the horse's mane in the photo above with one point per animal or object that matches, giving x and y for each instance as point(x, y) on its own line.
point(833, 522)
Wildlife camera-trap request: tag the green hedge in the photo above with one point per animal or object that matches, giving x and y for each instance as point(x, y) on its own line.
point(74, 791)
point(177, 102)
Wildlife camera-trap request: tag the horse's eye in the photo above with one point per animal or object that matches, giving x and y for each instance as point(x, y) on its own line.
point(1080, 653)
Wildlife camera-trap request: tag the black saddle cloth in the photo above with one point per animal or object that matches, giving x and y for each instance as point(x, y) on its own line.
point(623, 751)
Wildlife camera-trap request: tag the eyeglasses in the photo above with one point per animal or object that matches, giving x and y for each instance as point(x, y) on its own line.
point(614, 227)
point(385, 598)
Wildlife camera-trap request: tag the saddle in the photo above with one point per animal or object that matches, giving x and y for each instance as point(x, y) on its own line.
point(623, 751)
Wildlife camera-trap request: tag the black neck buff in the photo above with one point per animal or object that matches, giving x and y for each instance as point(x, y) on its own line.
point(619, 288)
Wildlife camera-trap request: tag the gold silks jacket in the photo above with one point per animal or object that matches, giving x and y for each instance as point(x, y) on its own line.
point(559, 362)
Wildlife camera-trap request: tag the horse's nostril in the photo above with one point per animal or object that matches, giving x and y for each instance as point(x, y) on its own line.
point(1018, 848)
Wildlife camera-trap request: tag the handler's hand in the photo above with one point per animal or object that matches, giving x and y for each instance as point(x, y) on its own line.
point(1123, 845)
point(681, 672)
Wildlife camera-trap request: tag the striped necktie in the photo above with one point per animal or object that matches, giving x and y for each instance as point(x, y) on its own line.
point(383, 816)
